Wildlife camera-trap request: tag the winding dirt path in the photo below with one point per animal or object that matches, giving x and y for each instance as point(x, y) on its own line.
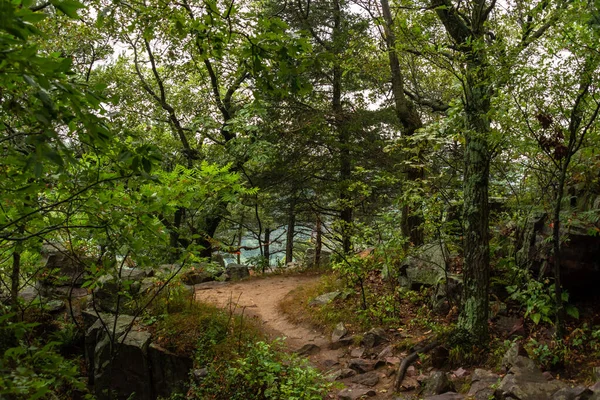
point(260, 297)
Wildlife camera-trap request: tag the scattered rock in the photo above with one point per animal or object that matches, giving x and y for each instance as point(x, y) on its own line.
point(361, 365)
point(481, 384)
point(325, 298)
point(576, 393)
point(509, 326)
point(355, 394)
point(200, 373)
point(357, 353)
point(525, 382)
point(411, 371)
point(374, 337)
point(548, 375)
point(446, 396)
point(388, 351)
point(345, 341)
point(339, 332)
point(460, 373)
point(395, 361)
point(409, 383)
point(367, 379)
point(341, 374)
point(330, 363)
point(308, 349)
point(510, 357)
point(438, 383)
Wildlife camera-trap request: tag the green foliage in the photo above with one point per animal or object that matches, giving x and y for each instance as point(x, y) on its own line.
point(548, 355)
point(31, 368)
point(264, 373)
point(537, 297)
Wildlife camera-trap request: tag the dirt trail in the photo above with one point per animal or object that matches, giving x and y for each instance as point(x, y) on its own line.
point(261, 298)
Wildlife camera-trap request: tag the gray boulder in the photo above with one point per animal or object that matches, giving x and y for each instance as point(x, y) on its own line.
point(169, 371)
point(62, 266)
point(425, 267)
point(129, 371)
point(525, 382)
point(481, 384)
point(339, 332)
point(437, 383)
point(325, 298)
point(235, 272)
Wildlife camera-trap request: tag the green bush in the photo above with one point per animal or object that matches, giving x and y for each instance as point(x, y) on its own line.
point(31, 369)
point(262, 374)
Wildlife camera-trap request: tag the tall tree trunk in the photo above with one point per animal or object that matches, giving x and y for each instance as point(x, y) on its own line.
point(406, 112)
point(473, 319)
point(289, 242)
point(343, 131)
point(468, 33)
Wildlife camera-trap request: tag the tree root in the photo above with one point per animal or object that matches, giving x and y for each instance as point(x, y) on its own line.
point(411, 358)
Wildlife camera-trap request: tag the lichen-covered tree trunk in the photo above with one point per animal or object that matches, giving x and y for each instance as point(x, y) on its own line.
point(473, 319)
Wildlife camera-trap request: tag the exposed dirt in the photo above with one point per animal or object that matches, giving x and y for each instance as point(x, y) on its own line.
point(260, 297)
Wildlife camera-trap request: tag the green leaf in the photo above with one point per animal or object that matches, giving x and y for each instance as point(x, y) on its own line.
point(572, 311)
point(68, 7)
point(536, 318)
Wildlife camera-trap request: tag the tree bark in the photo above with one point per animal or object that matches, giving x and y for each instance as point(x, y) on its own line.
point(343, 132)
point(289, 242)
point(318, 243)
point(267, 249)
point(468, 34)
point(406, 112)
point(15, 280)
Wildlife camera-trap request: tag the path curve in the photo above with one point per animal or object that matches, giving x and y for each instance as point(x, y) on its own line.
point(261, 298)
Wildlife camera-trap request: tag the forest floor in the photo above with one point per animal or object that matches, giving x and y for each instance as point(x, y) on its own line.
point(261, 297)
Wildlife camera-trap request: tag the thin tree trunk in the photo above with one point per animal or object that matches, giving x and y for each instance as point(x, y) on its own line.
point(289, 243)
point(318, 243)
point(15, 281)
point(239, 244)
point(560, 309)
point(267, 249)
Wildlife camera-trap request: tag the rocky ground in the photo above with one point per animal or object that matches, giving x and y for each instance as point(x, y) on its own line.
point(367, 366)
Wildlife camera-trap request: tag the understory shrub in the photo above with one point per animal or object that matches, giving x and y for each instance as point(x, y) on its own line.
point(262, 373)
